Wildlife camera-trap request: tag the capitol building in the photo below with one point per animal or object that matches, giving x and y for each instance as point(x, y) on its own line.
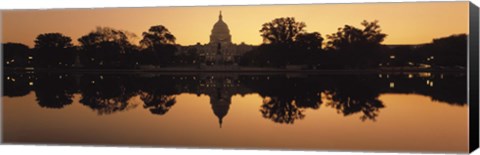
point(220, 50)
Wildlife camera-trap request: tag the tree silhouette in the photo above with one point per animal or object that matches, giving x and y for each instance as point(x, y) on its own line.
point(450, 52)
point(308, 48)
point(447, 51)
point(448, 89)
point(16, 84)
point(157, 103)
point(348, 36)
point(284, 99)
point(352, 94)
point(348, 104)
point(285, 43)
point(159, 42)
point(358, 47)
point(107, 47)
point(107, 94)
point(281, 111)
point(52, 41)
point(309, 41)
point(53, 50)
point(281, 30)
point(54, 91)
point(191, 56)
point(403, 56)
point(271, 55)
point(157, 35)
point(16, 55)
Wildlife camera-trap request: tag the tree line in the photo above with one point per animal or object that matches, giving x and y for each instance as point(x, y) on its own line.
point(285, 43)
point(104, 47)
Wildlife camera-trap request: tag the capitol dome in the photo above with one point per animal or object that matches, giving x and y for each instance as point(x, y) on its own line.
point(220, 32)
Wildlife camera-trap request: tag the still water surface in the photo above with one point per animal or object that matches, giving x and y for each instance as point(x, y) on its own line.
point(424, 112)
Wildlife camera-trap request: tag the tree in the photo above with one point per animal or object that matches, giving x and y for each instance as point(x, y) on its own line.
point(402, 56)
point(308, 48)
point(278, 49)
point(52, 40)
point(159, 42)
point(54, 50)
point(107, 47)
point(16, 55)
point(309, 41)
point(266, 55)
point(359, 47)
point(448, 51)
point(350, 37)
point(157, 35)
point(281, 30)
point(285, 43)
point(189, 57)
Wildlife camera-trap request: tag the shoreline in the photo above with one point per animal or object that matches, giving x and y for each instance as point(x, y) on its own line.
point(240, 70)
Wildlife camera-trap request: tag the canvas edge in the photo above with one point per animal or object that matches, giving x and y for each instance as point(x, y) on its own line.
point(472, 65)
point(1, 75)
point(472, 78)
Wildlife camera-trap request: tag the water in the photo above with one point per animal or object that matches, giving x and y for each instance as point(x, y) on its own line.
point(424, 112)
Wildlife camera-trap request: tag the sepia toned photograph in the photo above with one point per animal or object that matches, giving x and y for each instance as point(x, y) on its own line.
point(388, 77)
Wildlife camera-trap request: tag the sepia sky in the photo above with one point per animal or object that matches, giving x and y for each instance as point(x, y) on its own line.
point(405, 23)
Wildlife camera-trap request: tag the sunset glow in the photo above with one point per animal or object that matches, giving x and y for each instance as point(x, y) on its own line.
point(404, 23)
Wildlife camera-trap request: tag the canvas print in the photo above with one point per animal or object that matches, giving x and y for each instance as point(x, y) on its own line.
point(349, 77)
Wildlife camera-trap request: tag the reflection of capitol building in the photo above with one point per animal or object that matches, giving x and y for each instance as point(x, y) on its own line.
point(220, 89)
point(220, 50)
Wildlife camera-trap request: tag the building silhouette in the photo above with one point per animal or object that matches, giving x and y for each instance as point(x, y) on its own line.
point(220, 51)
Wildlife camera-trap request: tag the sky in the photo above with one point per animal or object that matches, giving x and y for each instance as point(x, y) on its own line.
point(404, 23)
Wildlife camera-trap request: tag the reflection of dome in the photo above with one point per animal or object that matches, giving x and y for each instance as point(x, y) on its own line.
point(220, 111)
point(220, 32)
point(220, 104)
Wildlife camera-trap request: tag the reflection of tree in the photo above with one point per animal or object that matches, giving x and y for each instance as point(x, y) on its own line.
point(158, 93)
point(449, 89)
point(106, 94)
point(106, 105)
point(348, 105)
point(281, 110)
point(54, 91)
point(16, 85)
point(353, 94)
point(308, 100)
point(287, 98)
point(157, 103)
